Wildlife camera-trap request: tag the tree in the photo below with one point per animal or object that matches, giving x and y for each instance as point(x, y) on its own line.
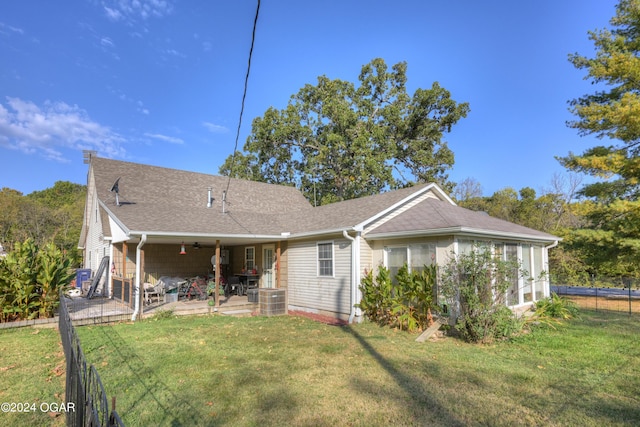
point(611, 241)
point(51, 215)
point(338, 141)
point(467, 189)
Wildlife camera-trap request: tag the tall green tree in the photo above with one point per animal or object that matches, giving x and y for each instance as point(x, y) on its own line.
point(53, 215)
point(611, 243)
point(336, 140)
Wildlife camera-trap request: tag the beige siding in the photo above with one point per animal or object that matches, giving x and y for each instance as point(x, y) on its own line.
point(307, 290)
point(165, 260)
point(366, 257)
point(283, 265)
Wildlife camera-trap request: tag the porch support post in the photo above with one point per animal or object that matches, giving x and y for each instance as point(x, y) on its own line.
point(216, 293)
point(124, 261)
point(278, 264)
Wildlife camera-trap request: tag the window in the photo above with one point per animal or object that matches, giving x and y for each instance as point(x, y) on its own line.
point(538, 271)
point(250, 258)
point(325, 259)
point(528, 273)
point(421, 256)
point(415, 256)
point(513, 293)
point(464, 246)
point(396, 258)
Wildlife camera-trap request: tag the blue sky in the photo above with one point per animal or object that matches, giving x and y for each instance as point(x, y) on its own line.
point(160, 81)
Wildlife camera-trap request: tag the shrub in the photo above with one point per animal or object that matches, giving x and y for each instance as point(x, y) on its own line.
point(475, 286)
point(555, 308)
point(406, 305)
point(376, 299)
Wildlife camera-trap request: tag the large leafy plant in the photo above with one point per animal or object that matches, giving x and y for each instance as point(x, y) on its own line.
point(31, 278)
point(406, 305)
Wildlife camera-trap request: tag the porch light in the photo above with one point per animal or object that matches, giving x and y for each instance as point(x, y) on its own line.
point(182, 250)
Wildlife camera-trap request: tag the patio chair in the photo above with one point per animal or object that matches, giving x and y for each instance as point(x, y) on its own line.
point(232, 284)
point(151, 291)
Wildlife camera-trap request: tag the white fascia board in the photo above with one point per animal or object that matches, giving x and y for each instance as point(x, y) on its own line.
point(137, 233)
point(464, 231)
point(113, 217)
point(117, 233)
point(431, 187)
point(320, 232)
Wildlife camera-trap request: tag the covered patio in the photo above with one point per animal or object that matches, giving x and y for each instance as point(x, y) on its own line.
point(105, 310)
point(199, 264)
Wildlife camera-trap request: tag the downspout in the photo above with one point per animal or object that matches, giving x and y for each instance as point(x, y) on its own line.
point(143, 239)
point(352, 309)
point(109, 273)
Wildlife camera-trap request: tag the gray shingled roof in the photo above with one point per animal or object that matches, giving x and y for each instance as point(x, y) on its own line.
point(156, 199)
point(161, 200)
point(348, 213)
point(432, 214)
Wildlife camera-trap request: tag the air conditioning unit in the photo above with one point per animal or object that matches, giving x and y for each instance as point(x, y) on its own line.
point(273, 302)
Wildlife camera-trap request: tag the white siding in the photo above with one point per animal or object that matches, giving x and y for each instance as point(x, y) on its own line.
point(308, 291)
point(96, 247)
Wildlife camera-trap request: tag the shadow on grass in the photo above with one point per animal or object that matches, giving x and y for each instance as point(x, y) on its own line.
point(154, 399)
point(421, 407)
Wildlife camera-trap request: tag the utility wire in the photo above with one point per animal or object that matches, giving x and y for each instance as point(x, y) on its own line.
point(244, 95)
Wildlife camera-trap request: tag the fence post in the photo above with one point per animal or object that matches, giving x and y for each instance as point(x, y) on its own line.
point(593, 285)
point(629, 285)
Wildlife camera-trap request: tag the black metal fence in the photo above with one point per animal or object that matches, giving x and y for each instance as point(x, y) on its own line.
point(604, 294)
point(83, 385)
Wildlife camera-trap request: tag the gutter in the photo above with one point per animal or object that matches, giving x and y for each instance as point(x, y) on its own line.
point(467, 232)
point(143, 239)
point(553, 245)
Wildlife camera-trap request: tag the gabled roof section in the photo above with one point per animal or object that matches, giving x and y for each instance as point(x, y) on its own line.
point(433, 217)
point(353, 213)
point(162, 200)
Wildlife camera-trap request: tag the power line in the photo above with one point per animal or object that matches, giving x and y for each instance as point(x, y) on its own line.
point(244, 95)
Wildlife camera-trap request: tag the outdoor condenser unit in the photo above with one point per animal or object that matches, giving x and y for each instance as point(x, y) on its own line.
point(273, 302)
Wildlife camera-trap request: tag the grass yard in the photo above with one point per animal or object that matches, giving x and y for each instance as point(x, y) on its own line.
point(32, 372)
point(294, 371)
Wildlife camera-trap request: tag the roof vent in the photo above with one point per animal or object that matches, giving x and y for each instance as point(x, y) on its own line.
point(115, 189)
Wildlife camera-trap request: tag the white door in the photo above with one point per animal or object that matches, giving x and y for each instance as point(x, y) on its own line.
point(268, 267)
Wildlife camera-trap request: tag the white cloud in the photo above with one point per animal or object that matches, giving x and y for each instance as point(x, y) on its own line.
point(31, 129)
point(215, 128)
point(106, 42)
point(165, 138)
point(174, 52)
point(131, 11)
point(113, 14)
point(4, 27)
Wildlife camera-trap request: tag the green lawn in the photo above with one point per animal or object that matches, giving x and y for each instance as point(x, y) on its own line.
point(32, 369)
point(293, 371)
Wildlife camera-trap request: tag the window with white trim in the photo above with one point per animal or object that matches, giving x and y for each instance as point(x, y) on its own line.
point(325, 259)
point(527, 280)
point(249, 257)
point(416, 256)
